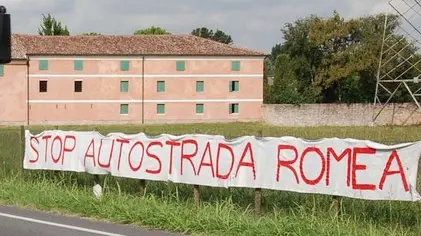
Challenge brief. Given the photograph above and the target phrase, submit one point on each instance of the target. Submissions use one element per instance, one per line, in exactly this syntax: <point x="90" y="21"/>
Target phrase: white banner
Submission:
<point x="343" y="167"/>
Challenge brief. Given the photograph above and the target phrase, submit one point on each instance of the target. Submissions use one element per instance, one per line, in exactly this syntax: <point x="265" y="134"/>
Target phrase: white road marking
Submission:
<point x="59" y="225"/>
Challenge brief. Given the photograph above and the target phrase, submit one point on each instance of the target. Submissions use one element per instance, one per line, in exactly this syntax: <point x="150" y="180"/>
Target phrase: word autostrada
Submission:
<point x="68" y="144"/>
<point x="274" y="163"/>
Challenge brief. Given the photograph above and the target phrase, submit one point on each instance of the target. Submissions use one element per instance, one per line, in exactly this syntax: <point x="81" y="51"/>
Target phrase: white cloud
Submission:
<point x="252" y="23"/>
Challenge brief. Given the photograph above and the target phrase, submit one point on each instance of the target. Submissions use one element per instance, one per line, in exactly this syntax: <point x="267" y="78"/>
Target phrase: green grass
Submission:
<point x="223" y="211"/>
<point x="170" y="212"/>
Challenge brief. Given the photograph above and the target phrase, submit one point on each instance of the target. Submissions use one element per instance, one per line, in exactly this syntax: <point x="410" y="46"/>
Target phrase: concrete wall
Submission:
<point x="100" y="99"/>
<point x="13" y="93"/>
<point x="341" y="115"/>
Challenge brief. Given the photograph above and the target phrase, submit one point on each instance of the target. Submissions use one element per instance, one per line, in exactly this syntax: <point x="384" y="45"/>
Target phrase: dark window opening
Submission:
<point x="233" y="108"/>
<point x="42" y="86"/>
<point x="234" y="86"/>
<point x="78" y="86"/>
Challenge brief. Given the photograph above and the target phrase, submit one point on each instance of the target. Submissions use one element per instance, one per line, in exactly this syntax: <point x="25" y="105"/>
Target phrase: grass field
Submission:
<point x="223" y="212"/>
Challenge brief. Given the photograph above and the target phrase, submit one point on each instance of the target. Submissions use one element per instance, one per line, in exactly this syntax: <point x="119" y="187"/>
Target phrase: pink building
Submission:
<point x="129" y="79"/>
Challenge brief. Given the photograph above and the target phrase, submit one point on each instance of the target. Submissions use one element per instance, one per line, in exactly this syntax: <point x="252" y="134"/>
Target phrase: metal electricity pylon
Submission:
<point x="400" y="64"/>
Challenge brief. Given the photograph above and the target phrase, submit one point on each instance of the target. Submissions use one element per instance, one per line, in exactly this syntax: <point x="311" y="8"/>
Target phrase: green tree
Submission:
<point x="153" y="30"/>
<point x="203" y="32"/>
<point x="50" y="26"/>
<point x="276" y="50"/>
<point x="285" y="83"/>
<point x="336" y="60"/>
<point x="218" y="35"/>
<point x="305" y="56"/>
<point x="92" y="34"/>
<point x="267" y="76"/>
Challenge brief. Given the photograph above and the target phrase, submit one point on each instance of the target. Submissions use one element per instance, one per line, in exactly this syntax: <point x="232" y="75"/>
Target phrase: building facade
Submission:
<point x="129" y="79"/>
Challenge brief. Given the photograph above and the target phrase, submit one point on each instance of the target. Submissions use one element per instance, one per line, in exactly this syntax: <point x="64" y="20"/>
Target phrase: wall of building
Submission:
<point x="101" y="99"/>
<point x="178" y="99"/>
<point x="341" y="114"/>
<point x="181" y="97"/>
<point x="13" y="93"/>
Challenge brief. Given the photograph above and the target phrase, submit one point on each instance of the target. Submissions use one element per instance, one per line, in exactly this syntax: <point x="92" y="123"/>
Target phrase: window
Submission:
<point x="181" y="65"/>
<point x="160" y="86"/>
<point x="42" y="86"/>
<point x="235" y="66"/>
<point x="124" y="65"/>
<point x="78" y="86"/>
<point x="124" y="109"/>
<point x="124" y="86"/>
<point x="234" y="86"/>
<point x="233" y="108"/>
<point x="1" y="70"/>
<point x="78" y="65"/>
<point x="43" y="65"/>
<point x="199" y="109"/>
<point x="199" y="86"/>
<point x="160" y="108"/>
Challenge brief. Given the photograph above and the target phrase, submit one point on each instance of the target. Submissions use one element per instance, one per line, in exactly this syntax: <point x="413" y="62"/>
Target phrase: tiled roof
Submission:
<point x="124" y="45"/>
<point x="18" y="51"/>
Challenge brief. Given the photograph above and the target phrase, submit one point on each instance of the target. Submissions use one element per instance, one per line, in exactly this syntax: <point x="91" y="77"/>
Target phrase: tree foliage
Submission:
<point x="285" y="80"/>
<point x="153" y="30"/>
<point x="50" y="26"/>
<point x="92" y="34"/>
<point x="331" y="59"/>
<point x="218" y="35"/>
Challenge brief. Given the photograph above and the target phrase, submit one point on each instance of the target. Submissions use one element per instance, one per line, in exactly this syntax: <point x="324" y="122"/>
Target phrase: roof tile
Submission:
<point x="124" y="45"/>
<point x="18" y="50"/>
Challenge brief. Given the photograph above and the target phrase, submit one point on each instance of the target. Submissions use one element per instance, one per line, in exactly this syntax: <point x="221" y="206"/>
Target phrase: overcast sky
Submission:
<point x="254" y="24"/>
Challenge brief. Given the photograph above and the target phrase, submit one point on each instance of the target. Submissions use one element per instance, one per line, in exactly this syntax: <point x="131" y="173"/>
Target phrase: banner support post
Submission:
<point x="258" y="191"/>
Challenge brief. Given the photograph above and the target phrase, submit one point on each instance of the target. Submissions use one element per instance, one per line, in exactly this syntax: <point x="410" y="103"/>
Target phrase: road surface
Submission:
<point x="22" y="222"/>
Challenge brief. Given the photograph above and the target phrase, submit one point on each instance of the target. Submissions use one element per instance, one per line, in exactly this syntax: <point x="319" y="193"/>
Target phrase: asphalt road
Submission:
<point x="22" y="222"/>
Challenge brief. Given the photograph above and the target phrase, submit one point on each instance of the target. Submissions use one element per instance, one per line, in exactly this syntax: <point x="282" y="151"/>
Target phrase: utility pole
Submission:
<point x="5" y="37"/>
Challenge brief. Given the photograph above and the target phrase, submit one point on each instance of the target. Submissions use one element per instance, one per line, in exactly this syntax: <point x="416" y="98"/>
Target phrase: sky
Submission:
<point x="253" y="24"/>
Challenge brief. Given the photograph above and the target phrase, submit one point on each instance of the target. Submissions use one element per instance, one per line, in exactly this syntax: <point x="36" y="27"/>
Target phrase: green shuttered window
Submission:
<point x="235" y="66"/>
<point x="124" y="109"/>
<point x="233" y="108"/>
<point x="160" y="108"/>
<point x="124" y="86"/>
<point x="181" y="65"/>
<point x="1" y="70"/>
<point x="160" y="86"/>
<point x="43" y="65"/>
<point x="234" y="86"/>
<point x="78" y="65"/>
<point x="200" y="86"/>
<point x="124" y="65"/>
<point x="199" y="109"/>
